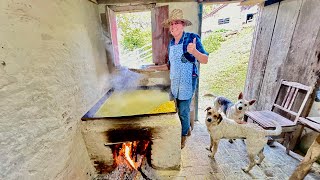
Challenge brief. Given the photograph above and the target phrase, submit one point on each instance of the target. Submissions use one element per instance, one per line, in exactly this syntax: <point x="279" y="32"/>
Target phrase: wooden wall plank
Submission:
<point x="281" y="39"/>
<point x="259" y="51"/>
<point x="294" y="53"/>
<point x="107" y="41"/>
<point x="160" y="35"/>
<point x="302" y="62"/>
<point x="113" y="32"/>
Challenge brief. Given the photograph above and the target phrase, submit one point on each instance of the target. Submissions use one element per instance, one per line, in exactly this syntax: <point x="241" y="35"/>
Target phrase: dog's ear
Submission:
<point x="208" y="108"/>
<point x="219" y="118"/>
<point x="252" y="101"/>
<point x="240" y="96"/>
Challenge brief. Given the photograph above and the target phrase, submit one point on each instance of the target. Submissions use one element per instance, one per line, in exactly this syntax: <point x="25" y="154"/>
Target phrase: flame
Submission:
<point x="127" y="152"/>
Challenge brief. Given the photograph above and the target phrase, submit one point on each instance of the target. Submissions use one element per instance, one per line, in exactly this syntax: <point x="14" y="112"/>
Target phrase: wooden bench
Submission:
<point x="311" y="123"/>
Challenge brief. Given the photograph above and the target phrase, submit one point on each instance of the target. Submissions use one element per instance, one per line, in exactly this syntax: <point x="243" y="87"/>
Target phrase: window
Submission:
<point x="223" y="21"/>
<point x="249" y="18"/>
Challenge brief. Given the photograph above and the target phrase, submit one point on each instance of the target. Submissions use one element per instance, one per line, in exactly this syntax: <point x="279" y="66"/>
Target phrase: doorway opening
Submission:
<point x="227" y="33"/>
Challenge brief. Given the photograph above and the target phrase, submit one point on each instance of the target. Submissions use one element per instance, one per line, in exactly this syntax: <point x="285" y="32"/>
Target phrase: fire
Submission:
<point x="127" y="151"/>
<point x="133" y="153"/>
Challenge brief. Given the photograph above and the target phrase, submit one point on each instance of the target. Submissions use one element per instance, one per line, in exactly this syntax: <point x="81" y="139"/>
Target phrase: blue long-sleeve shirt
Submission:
<point x="188" y="38"/>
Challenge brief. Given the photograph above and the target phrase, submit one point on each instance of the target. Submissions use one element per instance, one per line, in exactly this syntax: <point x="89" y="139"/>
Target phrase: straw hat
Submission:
<point x="176" y="15"/>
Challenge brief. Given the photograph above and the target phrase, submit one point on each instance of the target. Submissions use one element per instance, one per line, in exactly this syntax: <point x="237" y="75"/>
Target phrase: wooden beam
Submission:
<point x="132" y="8"/>
<point x="109" y="2"/>
<point x="286" y="110"/>
<point x="94" y="1"/>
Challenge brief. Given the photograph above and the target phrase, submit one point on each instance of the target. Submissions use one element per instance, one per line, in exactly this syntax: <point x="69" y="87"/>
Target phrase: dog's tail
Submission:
<point x="210" y="95"/>
<point x="275" y="132"/>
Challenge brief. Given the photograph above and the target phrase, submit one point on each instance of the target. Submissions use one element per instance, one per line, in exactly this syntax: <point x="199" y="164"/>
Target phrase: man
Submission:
<point x="185" y="51"/>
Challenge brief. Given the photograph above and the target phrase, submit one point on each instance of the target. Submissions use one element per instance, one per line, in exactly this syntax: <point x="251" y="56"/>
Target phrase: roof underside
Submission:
<point x="160" y="1"/>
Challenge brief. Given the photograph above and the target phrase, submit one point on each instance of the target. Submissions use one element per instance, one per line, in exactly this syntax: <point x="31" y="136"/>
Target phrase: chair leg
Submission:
<point x="271" y="142"/>
<point x="286" y="143"/>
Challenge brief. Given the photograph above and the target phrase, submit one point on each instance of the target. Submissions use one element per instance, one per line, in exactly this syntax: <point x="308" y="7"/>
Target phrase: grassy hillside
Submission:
<point x="225" y="73"/>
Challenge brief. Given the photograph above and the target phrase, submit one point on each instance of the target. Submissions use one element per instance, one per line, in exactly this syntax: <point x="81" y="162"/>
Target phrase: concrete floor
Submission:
<point x="229" y="159"/>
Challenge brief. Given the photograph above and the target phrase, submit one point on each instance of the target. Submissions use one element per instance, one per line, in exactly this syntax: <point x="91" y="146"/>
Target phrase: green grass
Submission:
<point x="213" y="41"/>
<point x="230" y="81"/>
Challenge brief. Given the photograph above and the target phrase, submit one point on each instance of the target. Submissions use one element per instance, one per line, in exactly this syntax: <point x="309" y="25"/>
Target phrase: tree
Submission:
<point x="135" y="29"/>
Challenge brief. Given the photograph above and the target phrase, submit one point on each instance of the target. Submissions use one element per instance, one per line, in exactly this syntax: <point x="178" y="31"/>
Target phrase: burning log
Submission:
<point x="129" y="157"/>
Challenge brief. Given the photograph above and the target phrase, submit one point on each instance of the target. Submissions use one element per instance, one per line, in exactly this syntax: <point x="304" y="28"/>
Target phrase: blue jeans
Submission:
<point x="184" y="110"/>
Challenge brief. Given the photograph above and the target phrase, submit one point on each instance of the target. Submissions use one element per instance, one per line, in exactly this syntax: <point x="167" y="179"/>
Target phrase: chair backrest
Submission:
<point x="293" y="88"/>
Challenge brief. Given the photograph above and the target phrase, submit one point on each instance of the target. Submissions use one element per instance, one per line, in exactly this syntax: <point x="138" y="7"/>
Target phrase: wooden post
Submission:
<point x="196" y="99"/>
<point x="305" y="165"/>
<point x="160" y="35"/>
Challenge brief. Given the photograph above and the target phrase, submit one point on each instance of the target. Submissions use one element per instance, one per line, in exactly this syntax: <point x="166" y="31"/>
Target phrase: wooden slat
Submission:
<point x="286" y="110"/>
<point x="277" y="96"/>
<point x="264" y="118"/>
<point x="289" y="98"/>
<point x="293" y="98"/>
<point x="296" y="85"/>
<point x="132" y="8"/>
<point x="304" y="103"/>
<point x="310" y="124"/>
<point x="285" y="97"/>
<point x="314" y="119"/>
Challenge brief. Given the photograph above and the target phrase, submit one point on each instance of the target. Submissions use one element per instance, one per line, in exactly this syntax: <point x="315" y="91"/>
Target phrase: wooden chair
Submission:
<point x="282" y="109"/>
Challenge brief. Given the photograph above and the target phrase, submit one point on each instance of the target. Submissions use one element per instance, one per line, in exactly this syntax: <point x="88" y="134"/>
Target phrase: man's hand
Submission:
<point x="192" y="47"/>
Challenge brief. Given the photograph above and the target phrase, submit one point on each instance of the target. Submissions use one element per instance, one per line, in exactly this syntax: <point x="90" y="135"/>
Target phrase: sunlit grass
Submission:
<point x="225" y="73"/>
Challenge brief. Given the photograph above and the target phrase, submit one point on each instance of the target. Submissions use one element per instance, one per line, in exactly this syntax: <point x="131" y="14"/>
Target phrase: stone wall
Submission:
<point x="52" y="70"/>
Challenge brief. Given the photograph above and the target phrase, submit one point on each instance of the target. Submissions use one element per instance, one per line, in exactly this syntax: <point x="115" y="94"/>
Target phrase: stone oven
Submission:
<point x="155" y="137"/>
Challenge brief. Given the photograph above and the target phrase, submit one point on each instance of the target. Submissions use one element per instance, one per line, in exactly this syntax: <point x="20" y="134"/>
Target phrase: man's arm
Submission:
<point x="196" y="49"/>
<point x="202" y="58"/>
<point x="163" y="67"/>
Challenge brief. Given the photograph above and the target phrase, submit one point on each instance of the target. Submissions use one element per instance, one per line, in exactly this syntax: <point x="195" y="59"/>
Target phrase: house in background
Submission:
<point x="228" y="16"/>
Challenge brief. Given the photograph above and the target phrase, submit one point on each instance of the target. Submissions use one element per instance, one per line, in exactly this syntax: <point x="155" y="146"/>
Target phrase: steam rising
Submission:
<point x="124" y="79"/>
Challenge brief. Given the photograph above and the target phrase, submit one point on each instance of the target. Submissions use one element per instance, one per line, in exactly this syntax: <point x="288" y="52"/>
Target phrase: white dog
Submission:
<point x="232" y="111"/>
<point x="220" y="127"/>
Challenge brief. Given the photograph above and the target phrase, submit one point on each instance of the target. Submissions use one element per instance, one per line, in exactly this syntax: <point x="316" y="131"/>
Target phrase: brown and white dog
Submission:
<point x="220" y="127"/>
<point x="232" y="111"/>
